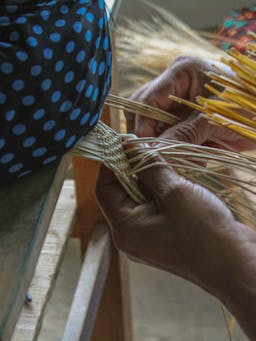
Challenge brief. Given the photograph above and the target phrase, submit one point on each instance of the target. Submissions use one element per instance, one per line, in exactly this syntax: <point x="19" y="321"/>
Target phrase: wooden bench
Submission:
<point x="33" y="235"/>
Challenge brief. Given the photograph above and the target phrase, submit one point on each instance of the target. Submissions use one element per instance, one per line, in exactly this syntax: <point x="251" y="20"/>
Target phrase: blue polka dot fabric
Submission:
<point x="55" y="73"/>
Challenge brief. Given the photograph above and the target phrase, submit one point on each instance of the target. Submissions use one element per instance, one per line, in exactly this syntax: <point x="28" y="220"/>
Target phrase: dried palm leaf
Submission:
<point x="235" y="107"/>
<point x="153" y="45"/>
<point x="127" y="155"/>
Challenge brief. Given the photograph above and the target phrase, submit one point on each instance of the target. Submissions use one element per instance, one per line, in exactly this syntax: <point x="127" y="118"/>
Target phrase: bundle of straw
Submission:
<point x="235" y="106"/>
<point x="153" y="44"/>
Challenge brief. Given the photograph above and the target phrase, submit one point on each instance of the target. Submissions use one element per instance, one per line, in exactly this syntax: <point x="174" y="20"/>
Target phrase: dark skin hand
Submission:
<point x="183" y="78"/>
<point x="200" y="242"/>
<point x="183" y="228"/>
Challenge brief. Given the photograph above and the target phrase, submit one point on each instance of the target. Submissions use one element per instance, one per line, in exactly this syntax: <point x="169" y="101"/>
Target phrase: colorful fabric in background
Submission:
<point x="55" y="72"/>
<point x="235" y="29"/>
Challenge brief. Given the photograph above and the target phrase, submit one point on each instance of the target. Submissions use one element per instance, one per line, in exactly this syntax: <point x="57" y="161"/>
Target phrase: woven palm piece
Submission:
<point x="104" y="145"/>
<point x="127" y="155"/>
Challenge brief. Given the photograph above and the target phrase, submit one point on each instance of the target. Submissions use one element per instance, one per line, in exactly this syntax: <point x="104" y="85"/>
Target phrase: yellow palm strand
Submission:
<point x="232" y="125"/>
<point x="241" y="72"/>
<point x="244" y="60"/>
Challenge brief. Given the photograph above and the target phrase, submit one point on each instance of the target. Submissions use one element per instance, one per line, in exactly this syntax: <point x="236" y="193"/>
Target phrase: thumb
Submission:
<point x="145" y="127"/>
<point x="158" y="181"/>
<point x="112" y="197"/>
<point x="195" y="130"/>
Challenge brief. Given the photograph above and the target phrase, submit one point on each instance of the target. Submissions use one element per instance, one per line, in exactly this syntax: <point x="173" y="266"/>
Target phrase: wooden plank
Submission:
<point x="117" y="118"/>
<point x="30" y="319"/>
<point x="90" y="287"/>
<point x="113" y="320"/>
<point x="26" y="208"/>
<point x="88" y="213"/>
<point x="113" y="9"/>
<point x="86" y="172"/>
<point x="126" y="296"/>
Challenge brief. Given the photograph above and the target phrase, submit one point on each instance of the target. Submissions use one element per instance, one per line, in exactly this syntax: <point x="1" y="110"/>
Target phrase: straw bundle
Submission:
<point x="153" y="45"/>
<point x="165" y="38"/>
<point x="235" y="106"/>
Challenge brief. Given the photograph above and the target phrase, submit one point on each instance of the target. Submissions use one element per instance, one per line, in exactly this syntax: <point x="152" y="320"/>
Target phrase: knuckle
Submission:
<point x="187" y="133"/>
<point x="197" y="131"/>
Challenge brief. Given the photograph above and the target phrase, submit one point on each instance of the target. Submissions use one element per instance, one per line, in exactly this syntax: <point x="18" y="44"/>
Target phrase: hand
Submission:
<point x="184" y="78"/>
<point x="186" y="230"/>
<point x="183" y="228"/>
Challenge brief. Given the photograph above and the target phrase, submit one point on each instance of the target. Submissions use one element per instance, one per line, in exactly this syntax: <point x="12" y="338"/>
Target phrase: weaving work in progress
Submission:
<point x="126" y="156"/>
<point x="229" y="174"/>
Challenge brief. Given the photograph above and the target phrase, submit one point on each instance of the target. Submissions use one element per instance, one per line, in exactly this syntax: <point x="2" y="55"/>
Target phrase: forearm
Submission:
<point x="243" y="307"/>
<point x="239" y="291"/>
<point x="242" y="302"/>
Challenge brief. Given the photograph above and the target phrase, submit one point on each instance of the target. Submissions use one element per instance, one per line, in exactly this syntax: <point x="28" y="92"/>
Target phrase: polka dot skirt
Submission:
<point x="55" y="72"/>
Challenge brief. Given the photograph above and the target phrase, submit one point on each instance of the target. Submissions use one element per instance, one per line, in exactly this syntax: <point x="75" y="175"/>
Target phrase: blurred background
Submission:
<point x="199" y="14"/>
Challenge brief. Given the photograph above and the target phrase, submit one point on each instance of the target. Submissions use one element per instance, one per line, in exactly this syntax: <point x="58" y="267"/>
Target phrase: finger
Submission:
<point x="145" y="127"/>
<point x="130" y="117"/>
<point x="111" y="196"/>
<point x="195" y="130"/>
<point x="242" y="144"/>
<point x="157" y="183"/>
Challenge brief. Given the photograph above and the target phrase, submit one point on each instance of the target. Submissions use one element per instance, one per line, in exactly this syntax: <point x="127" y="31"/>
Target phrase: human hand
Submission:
<point x="183" y="228"/>
<point x="184" y="78"/>
<point x="186" y="230"/>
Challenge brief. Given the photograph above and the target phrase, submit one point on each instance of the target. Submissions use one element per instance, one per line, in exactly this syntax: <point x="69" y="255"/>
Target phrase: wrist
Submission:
<point x="238" y="293"/>
<point x="234" y="259"/>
